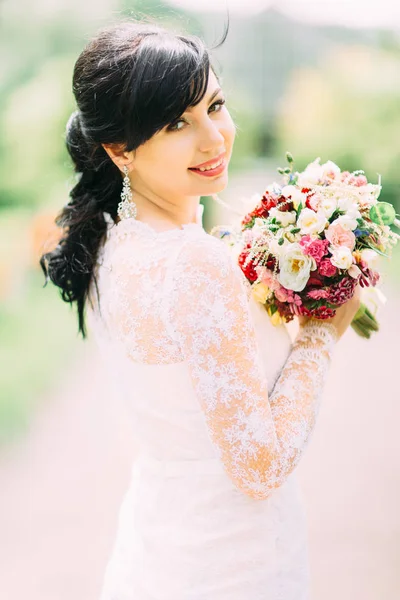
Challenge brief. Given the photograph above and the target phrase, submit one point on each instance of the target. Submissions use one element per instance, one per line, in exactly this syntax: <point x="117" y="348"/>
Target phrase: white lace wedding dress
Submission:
<point x="213" y="510"/>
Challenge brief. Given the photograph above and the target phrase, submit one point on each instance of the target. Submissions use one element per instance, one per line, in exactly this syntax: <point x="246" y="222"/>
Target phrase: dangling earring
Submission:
<point x="126" y="208"/>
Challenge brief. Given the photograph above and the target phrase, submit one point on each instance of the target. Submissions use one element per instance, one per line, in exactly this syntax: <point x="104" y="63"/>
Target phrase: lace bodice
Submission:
<point x="178" y="297"/>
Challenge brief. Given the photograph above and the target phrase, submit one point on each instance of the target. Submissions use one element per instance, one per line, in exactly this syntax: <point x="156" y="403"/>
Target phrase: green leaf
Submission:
<point x="299" y="209"/>
<point x="289" y="157"/>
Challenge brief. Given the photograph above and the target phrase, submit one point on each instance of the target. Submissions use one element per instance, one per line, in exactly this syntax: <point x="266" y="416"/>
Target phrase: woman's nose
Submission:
<point x="212" y="137"/>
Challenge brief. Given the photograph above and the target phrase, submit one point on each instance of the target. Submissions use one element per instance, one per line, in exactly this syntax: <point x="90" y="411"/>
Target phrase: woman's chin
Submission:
<point x="220" y="185"/>
<point x="214" y="186"/>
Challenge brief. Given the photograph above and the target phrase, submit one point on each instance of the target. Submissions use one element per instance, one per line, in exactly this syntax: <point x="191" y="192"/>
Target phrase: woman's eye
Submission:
<point x="219" y="103"/>
<point x="173" y="126"/>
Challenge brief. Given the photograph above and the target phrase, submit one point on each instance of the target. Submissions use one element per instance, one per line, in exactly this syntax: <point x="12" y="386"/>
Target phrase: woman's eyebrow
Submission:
<point x="214" y="94"/>
<point x="209" y="100"/>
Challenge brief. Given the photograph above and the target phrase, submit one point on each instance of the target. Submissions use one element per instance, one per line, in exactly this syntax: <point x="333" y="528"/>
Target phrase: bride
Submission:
<point x="222" y="403"/>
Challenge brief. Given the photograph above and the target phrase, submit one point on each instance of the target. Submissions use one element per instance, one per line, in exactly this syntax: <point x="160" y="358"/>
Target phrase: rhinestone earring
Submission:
<point x="126" y="208"/>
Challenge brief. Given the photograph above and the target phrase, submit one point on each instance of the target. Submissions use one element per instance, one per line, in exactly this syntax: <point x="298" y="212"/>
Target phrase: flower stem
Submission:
<point x="364" y="322"/>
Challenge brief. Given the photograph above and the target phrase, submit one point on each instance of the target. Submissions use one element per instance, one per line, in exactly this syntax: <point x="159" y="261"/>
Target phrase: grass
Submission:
<point x="38" y="335"/>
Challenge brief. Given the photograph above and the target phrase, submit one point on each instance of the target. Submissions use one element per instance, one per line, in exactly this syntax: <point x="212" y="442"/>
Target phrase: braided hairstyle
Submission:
<point x="130" y="81"/>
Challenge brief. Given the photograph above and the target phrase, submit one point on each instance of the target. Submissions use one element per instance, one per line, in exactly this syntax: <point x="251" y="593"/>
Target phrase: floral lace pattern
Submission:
<point x="134" y="261"/>
<point x="259" y="439"/>
<point x="178" y="296"/>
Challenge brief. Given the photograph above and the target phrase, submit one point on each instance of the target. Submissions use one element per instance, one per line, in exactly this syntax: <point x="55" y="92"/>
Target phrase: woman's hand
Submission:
<point x="344" y="314"/>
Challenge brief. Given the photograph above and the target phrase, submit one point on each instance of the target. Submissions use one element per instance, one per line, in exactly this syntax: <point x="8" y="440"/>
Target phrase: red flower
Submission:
<point x="326" y="268"/>
<point x="300" y="310"/>
<point x="249" y="269"/>
<point x="284" y="204"/>
<point x="309" y="193"/>
<point x="323" y="312"/>
<point x="315" y="280"/>
<point x="368" y="277"/>
<point x="285" y="310"/>
<point x="341" y="292"/>
<point x="271" y="262"/>
<point x="267" y="202"/>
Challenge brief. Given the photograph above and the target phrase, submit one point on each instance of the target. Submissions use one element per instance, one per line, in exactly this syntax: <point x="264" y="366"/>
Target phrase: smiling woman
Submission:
<point x="165" y="123"/>
<point x="222" y="407"/>
<point x="192" y="153"/>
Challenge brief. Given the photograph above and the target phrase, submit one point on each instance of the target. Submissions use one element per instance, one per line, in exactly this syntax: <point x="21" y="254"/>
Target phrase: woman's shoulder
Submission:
<point x="206" y="250"/>
<point x="209" y="259"/>
<point x="190" y="248"/>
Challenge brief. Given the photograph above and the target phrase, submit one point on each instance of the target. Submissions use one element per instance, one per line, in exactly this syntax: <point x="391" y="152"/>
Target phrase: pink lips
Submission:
<point x="209" y="162"/>
<point x="211" y="172"/>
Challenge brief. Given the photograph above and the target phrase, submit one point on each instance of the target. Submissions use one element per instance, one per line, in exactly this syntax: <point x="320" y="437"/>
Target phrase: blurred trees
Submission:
<point x="346" y="110"/>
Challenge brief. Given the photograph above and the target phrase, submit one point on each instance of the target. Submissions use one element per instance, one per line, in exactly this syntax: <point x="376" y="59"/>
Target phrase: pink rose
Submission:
<point x="360" y="180"/>
<point x="350" y="179"/>
<point x="305" y="240"/>
<point x="317" y="249"/>
<point x="284" y="295"/>
<point x="326" y="268"/>
<point x="267" y="277"/>
<point x="318" y="294"/>
<point x="281" y="294"/>
<point x="338" y="236"/>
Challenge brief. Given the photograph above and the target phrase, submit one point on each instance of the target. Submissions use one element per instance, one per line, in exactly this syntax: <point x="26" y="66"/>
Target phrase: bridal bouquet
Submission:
<point x="307" y="243"/>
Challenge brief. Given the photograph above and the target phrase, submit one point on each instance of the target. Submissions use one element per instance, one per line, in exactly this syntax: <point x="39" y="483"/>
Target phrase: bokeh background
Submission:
<point x="317" y="78"/>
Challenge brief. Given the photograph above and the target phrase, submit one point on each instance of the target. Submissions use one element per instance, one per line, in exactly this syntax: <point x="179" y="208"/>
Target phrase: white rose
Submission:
<point x="370" y="257"/>
<point x="295" y="195"/>
<point x="311" y="222"/>
<point x="277" y="249"/>
<point x="312" y="174"/>
<point x="347" y="222"/>
<point x="285" y="218"/>
<point x="369" y="194"/>
<point x="259" y="226"/>
<point x="287" y="190"/>
<point x="342" y="257"/>
<point x="345" y="203"/>
<point x="367" y="199"/>
<point x="328" y="206"/>
<point x="350" y="207"/>
<point x="330" y="167"/>
<point x="294" y="268"/>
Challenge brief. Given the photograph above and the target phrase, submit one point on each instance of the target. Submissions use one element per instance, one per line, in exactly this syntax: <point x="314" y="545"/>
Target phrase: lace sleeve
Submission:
<point x="259" y="439"/>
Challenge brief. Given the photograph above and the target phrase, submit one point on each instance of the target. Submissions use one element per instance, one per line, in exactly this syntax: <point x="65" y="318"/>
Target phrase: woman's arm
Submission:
<point x="259" y="439"/>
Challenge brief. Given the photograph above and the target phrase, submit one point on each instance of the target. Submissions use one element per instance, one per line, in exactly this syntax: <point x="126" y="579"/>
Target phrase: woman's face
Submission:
<point x="161" y="167"/>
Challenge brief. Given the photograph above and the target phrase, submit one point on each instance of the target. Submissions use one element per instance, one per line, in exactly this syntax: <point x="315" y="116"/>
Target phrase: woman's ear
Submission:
<point x="118" y="154"/>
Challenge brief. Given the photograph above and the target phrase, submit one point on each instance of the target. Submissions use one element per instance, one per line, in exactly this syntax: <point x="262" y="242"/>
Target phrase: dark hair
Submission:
<point x="131" y="80"/>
